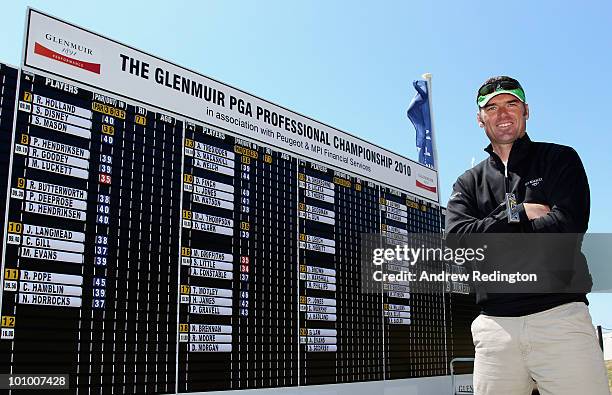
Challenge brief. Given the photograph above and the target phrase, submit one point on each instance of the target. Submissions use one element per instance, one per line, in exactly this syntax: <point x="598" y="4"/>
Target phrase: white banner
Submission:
<point x="64" y="49"/>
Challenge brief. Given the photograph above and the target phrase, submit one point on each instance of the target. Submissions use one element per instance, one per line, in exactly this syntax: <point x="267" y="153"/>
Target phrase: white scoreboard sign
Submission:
<point x="64" y="49"/>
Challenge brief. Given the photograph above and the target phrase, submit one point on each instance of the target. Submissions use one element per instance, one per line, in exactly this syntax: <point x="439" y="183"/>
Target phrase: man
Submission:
<point x="527" y="187"/>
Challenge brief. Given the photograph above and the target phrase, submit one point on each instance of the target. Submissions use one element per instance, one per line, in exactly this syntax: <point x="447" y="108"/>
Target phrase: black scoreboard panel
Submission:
<point x="415" y="321"/>
<point x="8" y="85"/>
<point x="238" y="317"/>
<point x="92" y="246"/>
<point x="340" y="326"/>
<point x="149" y="254"/>
<point x="360" y="341"/>
<point x="462" y="311"/>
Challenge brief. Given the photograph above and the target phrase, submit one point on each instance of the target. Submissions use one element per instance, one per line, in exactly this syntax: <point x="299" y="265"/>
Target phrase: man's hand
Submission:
<point x="535" y="210"/>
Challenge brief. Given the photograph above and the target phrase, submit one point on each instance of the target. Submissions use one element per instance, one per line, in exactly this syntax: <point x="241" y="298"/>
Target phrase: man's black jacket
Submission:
<point x="536" y="172"/>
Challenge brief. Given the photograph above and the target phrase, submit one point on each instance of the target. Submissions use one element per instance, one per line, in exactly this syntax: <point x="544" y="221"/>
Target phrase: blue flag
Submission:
<point x="418" y="112"/>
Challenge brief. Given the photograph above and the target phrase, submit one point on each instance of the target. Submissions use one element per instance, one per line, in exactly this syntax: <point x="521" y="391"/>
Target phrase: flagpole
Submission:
<point x="434" y="147"/>
<point x="433" y="134"/>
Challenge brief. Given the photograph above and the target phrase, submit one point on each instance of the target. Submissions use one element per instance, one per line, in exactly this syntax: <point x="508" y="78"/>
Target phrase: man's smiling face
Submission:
<point x="504" y="118"/>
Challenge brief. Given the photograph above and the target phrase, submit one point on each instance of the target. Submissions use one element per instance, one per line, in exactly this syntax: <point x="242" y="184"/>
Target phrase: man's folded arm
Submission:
<point x="569" y="198"/>
<point x="461" y="216"/>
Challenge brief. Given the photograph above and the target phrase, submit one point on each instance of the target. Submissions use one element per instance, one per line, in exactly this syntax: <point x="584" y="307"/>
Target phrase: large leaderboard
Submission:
<point x="168" y="233"/>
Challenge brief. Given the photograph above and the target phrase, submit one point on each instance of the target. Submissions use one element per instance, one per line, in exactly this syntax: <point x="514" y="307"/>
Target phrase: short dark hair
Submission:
<point x="497" y="78"/>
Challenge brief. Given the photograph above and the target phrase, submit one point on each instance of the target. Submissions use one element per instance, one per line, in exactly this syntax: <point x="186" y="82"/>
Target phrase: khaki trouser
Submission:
<point x="556" y="348"/>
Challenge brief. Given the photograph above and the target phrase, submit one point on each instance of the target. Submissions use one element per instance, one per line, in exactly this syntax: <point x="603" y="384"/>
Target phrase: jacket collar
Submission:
<point x="520" y="149"/>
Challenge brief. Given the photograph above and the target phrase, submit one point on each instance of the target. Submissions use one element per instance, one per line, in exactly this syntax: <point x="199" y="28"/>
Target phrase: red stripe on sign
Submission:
<point x="46" y="52"/>
<point x="427" y="187"/>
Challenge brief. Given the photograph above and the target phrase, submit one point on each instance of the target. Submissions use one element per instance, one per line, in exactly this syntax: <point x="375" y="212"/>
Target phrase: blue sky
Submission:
<point x="351" y="64"/>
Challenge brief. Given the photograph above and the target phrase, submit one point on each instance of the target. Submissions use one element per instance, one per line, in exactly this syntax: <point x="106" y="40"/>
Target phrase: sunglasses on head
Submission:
<point x="499" y="85"/>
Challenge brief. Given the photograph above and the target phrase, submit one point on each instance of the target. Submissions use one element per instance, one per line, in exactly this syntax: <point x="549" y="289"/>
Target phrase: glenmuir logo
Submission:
<point x="425" y="182"/>
<point x="534" y="182"/>
<point x="65" y="51"/>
